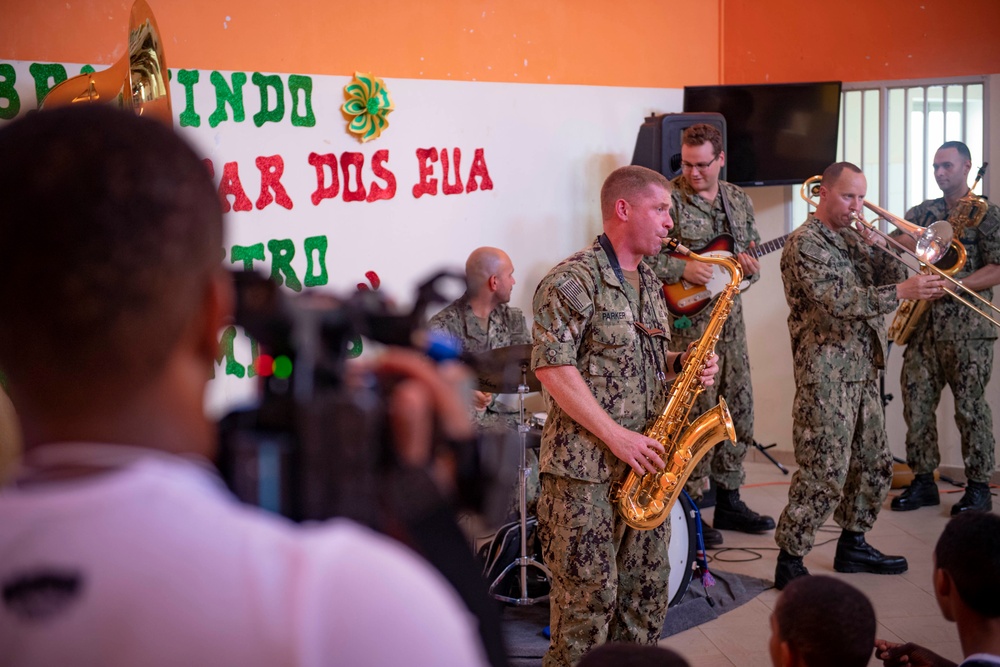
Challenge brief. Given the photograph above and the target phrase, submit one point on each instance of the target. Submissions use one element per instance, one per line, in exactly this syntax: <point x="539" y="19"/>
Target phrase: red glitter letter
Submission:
<point x="376" y="191"/>
<point x="271" y="168"/>
<point x="230" y="185"/>
<point x="478" y="169"/>
<point x="426" y="185"/>
<point x="358" y="160"/>
<point x="324" y="191"/>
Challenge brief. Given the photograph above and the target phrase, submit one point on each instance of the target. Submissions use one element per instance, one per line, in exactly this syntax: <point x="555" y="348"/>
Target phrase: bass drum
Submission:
<point x="683" y="547"/>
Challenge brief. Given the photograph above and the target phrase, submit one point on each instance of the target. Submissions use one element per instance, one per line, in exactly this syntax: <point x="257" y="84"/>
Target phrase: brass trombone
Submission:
<point x="933" y="242"/>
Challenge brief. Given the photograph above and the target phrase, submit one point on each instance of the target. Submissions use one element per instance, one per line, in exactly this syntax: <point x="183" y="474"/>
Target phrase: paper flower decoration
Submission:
<point x="368" y="103"/>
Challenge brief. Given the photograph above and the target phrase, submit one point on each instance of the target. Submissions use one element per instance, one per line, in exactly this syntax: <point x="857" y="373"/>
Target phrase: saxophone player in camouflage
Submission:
<point x="601" y="353"/>
<point x="704" y="208"/>
<point x="952" y="345"/>
<point x="839" y="289"/>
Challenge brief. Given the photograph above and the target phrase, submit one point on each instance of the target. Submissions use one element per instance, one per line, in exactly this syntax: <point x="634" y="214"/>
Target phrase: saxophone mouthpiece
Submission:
<point x="979" y="176"/>
<point x="674" y="245"/>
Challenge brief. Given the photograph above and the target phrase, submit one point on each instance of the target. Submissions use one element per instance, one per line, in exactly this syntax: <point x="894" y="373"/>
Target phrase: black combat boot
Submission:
<point x="789" y="567"/>
<point x="975" y="499"/>
<point x="856" y="555"/>
<point x="712" y="537"/>
<point x="922" y="492"/>
<point x="731" y="513"/>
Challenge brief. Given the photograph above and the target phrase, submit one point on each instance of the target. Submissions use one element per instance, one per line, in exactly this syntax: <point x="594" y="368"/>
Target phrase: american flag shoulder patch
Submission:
<point x="574" y="293"/>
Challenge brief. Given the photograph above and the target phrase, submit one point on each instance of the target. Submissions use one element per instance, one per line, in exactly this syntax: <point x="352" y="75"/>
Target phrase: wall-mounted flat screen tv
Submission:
<point x="779" y="134"/>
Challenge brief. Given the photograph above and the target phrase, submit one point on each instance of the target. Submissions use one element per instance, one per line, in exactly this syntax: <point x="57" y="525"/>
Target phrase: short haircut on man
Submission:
<point x="481" y="265"/>
<point x="627" y="182"/>
<point x="833" y="173"/>
<point x="969" y="551"/>
<point x="627" y="654"/>
<point x="112" y="226"/>
<point x="959" y="146"/>
<point x="699" y="133"/>
<point x="804" y="612"/>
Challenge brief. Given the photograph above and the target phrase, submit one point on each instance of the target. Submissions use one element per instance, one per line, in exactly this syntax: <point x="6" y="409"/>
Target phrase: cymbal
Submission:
<point x="502" y="370"/>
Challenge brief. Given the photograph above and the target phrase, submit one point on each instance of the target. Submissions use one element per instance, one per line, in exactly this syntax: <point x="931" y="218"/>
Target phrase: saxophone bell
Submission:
<point x="644" y="501"/>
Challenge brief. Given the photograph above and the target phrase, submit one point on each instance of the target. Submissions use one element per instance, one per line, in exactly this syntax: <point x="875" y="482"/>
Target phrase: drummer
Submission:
<point x="482" y="321"/>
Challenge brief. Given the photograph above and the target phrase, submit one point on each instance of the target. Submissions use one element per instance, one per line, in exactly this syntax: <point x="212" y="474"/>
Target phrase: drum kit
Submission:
<point x="507" y="370"/>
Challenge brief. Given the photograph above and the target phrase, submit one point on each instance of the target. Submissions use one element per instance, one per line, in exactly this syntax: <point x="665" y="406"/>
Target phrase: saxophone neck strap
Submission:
<point x="609" y="250"/>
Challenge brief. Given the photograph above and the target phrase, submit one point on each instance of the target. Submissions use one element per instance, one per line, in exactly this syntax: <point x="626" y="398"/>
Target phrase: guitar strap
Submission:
<point x="735" y="229"/>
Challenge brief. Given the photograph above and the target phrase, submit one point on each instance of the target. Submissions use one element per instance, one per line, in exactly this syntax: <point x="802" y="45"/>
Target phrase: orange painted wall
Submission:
<point x="858" y="40"/>
<point x="592" y="42"/>
<point x="654" y="43"/>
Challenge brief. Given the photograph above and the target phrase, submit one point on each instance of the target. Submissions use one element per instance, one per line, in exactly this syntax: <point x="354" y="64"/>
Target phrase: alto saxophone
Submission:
<point x="969" y="212"/>
<point x="644" y="501"/>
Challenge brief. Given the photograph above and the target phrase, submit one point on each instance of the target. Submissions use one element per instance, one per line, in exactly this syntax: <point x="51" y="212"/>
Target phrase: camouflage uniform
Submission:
<point x="696" y="222"/>
<point x="609" y="581"/>
<point x="506" y="326"/>
<point x="952" y="345"/>
<point x="838" y="290"/>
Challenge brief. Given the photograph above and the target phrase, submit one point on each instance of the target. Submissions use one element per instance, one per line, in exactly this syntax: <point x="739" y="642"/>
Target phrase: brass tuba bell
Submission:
<point x="137" y="81"/>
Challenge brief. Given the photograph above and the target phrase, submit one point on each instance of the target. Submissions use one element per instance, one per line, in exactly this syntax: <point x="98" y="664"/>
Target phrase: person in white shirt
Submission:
<point x="119" y="545"/>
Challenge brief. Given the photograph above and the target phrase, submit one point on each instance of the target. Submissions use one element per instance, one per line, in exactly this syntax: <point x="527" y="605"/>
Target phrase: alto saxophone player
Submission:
<point x="953" y="345"/>
<point x="601" y="352"/>
<point x="839" y="289"/>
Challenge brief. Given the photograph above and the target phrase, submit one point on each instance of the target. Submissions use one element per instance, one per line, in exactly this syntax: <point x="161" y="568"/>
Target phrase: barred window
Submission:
<point x="892" y="130"/>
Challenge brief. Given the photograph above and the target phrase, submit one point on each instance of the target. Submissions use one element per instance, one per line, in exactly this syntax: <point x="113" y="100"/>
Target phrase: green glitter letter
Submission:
<point x="233" y="367"/>
<point x="226" y="95"/>
<point x="266" y="115"/>
<point x="297" y="82"/>
<point x="247" y="254"/>
<point x="7" y="92"/>
<point x="319" y="245"/>
<point x="43" y="74"/>
<point x="187" y="78"/>
<point x="282" y="252"/>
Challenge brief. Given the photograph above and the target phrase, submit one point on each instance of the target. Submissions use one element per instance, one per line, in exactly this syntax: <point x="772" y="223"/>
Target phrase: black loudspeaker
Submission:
<point x="658" y="145"/>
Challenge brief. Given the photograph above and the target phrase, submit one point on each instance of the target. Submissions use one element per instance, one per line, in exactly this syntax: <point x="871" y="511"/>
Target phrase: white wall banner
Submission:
<point x="460" y="165"/>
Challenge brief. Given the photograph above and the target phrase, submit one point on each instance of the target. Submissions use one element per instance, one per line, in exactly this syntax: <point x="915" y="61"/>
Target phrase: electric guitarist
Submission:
<point x="703" y="208"/>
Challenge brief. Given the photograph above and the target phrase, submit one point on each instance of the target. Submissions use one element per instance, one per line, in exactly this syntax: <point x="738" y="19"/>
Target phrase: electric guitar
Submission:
<point x="685" y="298"/>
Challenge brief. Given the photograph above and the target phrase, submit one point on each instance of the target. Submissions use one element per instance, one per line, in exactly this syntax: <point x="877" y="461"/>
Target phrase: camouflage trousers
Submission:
<point x="845" y="467"/>
<point x="725" y="461"/>
<point x="965" y="366"/>
<point x="609" y="581"/>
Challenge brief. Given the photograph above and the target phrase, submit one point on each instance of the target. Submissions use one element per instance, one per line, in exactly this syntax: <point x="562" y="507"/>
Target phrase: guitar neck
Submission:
<point x="768" y="247"/>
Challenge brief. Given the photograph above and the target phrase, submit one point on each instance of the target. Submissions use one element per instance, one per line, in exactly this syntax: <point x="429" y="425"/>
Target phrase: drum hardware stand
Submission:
<point x="701" y="559"/>
<point x="525" y="561"/>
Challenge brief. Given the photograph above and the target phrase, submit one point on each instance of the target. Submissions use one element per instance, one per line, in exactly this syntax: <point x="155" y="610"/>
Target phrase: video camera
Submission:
<point x="317" y="445"/>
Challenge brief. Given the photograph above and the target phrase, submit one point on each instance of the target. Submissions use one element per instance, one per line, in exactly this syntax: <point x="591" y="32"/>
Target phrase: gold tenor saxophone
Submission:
<point x="645" y="501"/>
<point x="969" y="212"/>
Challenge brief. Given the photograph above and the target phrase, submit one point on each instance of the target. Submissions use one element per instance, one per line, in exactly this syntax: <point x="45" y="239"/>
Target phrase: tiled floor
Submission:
<point x="904" y="604"/>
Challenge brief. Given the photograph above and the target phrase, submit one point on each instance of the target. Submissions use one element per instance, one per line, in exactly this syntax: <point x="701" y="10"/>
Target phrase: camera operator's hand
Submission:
<point x="425" y="396"/>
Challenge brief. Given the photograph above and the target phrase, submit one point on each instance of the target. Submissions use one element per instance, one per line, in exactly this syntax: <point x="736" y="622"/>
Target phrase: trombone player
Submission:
<point x="839" y="288"/>
<point x="953" y="345"/>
